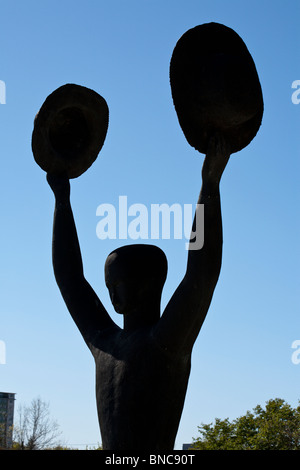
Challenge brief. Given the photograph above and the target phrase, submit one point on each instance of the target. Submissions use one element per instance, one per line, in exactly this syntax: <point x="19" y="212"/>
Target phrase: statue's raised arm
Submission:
<point x="83" y="304"/>
<point x="219" y="105"/>
<point x="69" y="132"/>
<point x="184" y="315"/>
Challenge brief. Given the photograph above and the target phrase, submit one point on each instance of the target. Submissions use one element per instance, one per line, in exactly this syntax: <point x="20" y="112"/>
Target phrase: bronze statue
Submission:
<point x="142" y="369"/>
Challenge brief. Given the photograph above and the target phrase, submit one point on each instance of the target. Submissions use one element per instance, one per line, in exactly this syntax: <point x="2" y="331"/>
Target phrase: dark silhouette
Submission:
<point x="69" y="130"/>
<point x="215" y="86"/>
<point x="142" y="369"/>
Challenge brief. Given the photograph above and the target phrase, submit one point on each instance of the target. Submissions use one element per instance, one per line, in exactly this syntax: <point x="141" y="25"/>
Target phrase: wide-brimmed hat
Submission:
<point x="215" y="87"/>
<point x="69" y="130"/>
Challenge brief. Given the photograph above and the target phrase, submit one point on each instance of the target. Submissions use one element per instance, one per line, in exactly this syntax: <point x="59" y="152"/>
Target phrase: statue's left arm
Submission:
<point x="185" y="313"/>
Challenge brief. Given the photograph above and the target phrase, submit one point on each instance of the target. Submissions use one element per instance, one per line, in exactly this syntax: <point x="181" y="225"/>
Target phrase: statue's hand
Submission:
<point x="216" y="159"/>
<point x="60" y="185"/>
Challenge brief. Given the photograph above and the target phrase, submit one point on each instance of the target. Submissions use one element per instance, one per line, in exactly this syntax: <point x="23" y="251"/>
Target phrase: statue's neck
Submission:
<point x="142" y="317"/>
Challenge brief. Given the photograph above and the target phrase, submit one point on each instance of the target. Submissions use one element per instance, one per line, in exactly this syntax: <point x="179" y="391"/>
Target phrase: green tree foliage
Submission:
<point x="277" y="427"/>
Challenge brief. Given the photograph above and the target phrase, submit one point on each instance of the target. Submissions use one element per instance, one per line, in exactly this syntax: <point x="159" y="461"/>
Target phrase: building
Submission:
<point x="7" y="404"/>
<point x="186" y="446"/>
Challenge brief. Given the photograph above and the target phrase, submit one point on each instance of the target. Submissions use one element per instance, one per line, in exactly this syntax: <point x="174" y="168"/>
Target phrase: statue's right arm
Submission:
<point x="82" y="302"/>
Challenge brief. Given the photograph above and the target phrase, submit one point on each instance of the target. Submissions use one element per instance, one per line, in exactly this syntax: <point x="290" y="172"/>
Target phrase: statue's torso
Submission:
<point x="140" y="391"/>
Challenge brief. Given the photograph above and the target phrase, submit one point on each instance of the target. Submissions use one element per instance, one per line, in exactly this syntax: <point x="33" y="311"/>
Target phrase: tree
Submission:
<point x="277" y="427"/>
<point x="34" y="429"/>
<point x="5" y="431"/>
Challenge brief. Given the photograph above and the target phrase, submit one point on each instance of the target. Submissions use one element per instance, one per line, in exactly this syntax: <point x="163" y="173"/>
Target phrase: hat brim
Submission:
<point x="69" y="130"/>
<point x="215" y="87"/>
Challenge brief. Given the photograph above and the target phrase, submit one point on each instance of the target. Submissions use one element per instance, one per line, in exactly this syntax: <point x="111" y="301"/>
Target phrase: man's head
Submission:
<point x="135" y="275"/>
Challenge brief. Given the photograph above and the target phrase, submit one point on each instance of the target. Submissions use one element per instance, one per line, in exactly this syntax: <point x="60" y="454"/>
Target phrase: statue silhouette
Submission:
<point x="142" y="369"/>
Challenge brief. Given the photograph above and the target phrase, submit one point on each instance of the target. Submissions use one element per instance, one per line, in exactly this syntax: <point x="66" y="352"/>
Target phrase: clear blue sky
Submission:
<point x="122" y="50"/>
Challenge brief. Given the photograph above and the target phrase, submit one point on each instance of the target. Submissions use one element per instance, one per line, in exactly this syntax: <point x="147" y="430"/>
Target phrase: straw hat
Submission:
<point x="69" y="130"/>
<point x="215" y="87"/>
